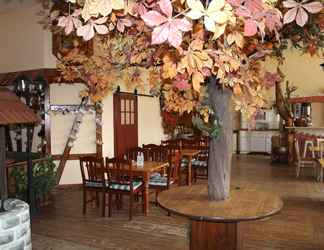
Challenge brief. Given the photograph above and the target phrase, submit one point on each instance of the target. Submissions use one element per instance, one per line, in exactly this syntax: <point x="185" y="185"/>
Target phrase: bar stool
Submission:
<point x="309" y="143"/>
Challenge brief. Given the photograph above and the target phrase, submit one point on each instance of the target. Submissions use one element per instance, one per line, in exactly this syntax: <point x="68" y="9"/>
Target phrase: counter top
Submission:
<point x="310" y="128"/>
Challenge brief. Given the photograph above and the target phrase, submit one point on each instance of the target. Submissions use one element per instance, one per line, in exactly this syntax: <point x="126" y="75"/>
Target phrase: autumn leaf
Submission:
<point x="197" y="79"/>
<point x="215" y="16"/>
<point x="236" y="38"/>
<point x="88" y="31"/>
<point x="298" y="11"/>
<point x="169" y="68"/>
<point x="94" y="8"/>
<point x="195" y="58"/>
<point x="70" y="22"/>
<point x="166" y="28"/>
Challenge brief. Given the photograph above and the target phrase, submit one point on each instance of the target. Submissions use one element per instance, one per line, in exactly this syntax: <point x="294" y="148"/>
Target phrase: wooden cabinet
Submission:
<point x="256" y="141"/>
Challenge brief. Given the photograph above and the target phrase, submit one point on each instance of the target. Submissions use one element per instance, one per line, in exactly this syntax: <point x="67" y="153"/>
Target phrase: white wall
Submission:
<point x="149" y="127"/>
<point x="24" y="45"/>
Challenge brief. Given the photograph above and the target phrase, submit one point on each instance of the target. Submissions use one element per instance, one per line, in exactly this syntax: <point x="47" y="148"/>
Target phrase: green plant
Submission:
<point x="44" y="177"/>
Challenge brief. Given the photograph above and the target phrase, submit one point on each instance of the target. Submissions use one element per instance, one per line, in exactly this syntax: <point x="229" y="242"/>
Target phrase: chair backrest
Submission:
<point x="92" y="169"/>
<point x="320" y="145"/>
<point x="171" y="142"/>
<point x="132" y="153"/>
<point x="174" y="160"/>
<point x="119" y="171"/>
<point x="150" y="146"/>
<point x="158" y="154"/>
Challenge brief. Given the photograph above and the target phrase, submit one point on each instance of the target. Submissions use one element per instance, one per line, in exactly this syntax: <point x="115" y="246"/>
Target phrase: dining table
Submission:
<point x="145" y="172"/>
<point x="189" y="154"/>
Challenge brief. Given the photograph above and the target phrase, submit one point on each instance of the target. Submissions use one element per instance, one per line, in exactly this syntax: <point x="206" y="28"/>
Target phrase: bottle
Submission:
<point x="142" y="159"/>
<point x="138" y="159"/>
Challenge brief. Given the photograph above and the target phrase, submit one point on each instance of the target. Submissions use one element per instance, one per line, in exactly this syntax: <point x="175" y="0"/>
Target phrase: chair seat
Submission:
<point x="126" y="186"/>
<point x="158" y="180"/>
<point x="93" y="184"/>
<point x="197" y="163"/>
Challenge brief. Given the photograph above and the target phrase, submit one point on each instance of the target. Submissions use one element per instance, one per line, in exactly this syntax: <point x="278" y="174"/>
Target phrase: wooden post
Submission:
<point x="3" y="172"/>
<point x="30" y="191"/>
<point x="220" y="149"/>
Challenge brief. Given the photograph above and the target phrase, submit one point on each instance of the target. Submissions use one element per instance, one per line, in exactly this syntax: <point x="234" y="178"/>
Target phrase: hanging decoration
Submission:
<point x="182" y="42"/>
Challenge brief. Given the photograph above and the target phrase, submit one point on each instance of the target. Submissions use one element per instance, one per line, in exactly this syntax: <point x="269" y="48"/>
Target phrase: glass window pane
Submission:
<point x="127" y="105"/>
<point x="122" y="105"/>
<point x="122" y="116"/>
<point x="127" y="118"/>
<point x="132" y="105"/>
<point x="132" y="118"/>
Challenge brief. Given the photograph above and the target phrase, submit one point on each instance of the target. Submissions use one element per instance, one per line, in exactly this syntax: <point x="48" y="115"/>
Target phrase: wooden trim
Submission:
<point x="47" y="120"/>
<point x="73" y="156"/>
<point x="50" y="75"/>
<point x="306" y="99"/>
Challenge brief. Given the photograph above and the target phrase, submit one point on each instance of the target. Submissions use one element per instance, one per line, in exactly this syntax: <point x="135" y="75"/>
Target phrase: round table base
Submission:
<point x="214" y="236"/>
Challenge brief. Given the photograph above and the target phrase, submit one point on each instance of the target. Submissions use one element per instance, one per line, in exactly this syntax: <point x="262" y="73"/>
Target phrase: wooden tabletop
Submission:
<point x="189" y="152"/>
<point x="150" y="166"/>
<point x="243" y="205"/>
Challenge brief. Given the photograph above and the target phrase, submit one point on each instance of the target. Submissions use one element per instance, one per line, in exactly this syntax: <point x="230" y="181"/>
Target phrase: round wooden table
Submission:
<point x="214" y="224"/>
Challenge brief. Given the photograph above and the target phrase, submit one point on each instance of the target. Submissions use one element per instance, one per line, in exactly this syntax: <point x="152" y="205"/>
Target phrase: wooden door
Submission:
<point x="125" y="122"/>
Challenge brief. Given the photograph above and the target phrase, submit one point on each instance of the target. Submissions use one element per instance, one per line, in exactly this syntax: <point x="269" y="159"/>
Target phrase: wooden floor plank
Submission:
<point x="300" y="225"/>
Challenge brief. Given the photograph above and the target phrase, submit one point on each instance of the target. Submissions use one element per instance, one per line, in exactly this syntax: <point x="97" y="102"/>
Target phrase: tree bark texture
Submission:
<point x="3" y="172"/>
<point x="220" y="149"/>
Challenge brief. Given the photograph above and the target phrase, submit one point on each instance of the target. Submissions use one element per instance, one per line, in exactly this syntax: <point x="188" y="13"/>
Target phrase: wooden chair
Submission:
<point x="303" y="162"/>
<point x="320" y="145"/>
<point x="131" y="154"/>
<point x="92" y="180"/>
<point x="121" y="182"/>
<point x="200" y="164"/>
<point x="160" y="181"/>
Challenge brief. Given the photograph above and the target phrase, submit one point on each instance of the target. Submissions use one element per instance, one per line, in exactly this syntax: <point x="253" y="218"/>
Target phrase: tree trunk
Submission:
<point x="220" y="149"/>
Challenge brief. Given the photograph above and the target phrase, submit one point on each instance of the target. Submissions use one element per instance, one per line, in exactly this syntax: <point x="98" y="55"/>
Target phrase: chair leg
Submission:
<point x="97" y="199"/>
<point x="298" y="170"/>
<point x="131" y="206"/>
<point x="103" y="204"/>
<point x="143" y="204"/>
<point x="84" y="201"/>
<point x="109" y="204"/>
<point x="156" y="195"/>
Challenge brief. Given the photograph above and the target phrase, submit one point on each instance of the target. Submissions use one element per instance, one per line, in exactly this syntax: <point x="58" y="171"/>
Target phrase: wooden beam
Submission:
<point x="306" y="99"/>
<point x="47" y="120"/>
<point x="73" y="156"/>
<point x="50" y="75"/>
<point x="3" y="173"/>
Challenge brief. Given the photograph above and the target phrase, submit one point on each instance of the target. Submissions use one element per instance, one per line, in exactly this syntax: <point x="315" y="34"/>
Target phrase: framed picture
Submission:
<point x="62" y="44"/>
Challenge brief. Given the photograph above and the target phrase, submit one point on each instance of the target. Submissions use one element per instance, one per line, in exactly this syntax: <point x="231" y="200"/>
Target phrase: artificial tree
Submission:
<point x="200" y="56"/>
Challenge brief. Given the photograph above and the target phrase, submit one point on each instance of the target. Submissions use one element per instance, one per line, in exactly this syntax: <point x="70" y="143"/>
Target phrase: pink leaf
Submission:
<point x="182" y="24"/>
<point x="86" y="31"/>
<point x="302" y="17"/>
<point x="181" y="82"/>
<point x="101" y="20"/>
<point x="153" y="18"/>
<point x="101" y="29"/>
<point x="160" y="34"/>
<point x="175" y="36"/>
<point x="166" y="7"/>
<point x="250" y="28"/>
<point x="313" y="7"/>
<point x="290" y="15"/>
<point x="122" y="23"/>
<point x="243" y="12"/>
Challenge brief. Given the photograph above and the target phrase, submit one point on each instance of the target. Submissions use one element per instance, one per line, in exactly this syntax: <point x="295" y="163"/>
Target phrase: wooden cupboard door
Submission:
<point x="125" y="122"/>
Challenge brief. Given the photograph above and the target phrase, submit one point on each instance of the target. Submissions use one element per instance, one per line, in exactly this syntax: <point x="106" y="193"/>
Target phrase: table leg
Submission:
<point x="214" y="236"/>
<point x="146" y="193"/>
<point x="189" y="171"/>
